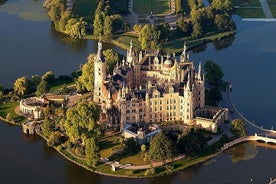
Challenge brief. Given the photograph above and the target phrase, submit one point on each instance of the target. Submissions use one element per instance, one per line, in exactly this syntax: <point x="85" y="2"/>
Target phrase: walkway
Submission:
<point x="138" y="167"/>
<point x="248" y="138"/>
<point x="267" y="12"/>
<point x="266" y="9"/>
<point x="263" y="130"/>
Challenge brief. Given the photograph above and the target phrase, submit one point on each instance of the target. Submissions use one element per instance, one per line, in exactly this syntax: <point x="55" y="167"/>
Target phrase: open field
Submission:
<point x="154" y="6"/>
<point x="9" y="108"/>
<point x="249" y="8"/>
<point x="272" y="6"/>
<point x="250" y="12"/>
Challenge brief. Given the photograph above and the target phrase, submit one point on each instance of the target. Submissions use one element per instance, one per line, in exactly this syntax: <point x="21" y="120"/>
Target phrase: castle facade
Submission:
<point x="148" y="88"/>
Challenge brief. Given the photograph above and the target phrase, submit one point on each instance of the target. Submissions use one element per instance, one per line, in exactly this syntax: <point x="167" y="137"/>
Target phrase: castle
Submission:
<point x="148" y="88"/>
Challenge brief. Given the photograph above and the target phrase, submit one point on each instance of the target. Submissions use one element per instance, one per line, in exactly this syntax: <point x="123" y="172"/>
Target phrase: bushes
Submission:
<point x="55" y="139"/>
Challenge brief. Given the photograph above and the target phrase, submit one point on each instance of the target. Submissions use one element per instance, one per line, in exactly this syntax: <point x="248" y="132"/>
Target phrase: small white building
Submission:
<point x="141" y="134"/>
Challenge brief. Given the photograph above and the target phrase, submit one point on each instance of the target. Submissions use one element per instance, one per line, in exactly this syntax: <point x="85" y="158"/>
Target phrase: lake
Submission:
<point x="29" y="45"/>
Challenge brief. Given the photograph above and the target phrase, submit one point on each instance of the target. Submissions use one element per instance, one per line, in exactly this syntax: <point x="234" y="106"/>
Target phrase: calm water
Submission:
<point x="29" y="46"/>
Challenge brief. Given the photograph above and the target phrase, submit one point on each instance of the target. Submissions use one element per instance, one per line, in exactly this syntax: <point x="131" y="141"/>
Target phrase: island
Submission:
<point x="140" y="116"/>
<point x="145" y="114"/>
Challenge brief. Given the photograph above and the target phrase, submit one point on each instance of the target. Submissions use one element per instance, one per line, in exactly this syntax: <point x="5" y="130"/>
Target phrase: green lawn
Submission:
<point x="146" y="6"/>
<point x="249" y="8"/>
<point x="9" y="108"/>
<point x="246" y="3"/>
<point x="250" y="12"/>
<point x="272" y="6"/>
<point x="85" y="8"/>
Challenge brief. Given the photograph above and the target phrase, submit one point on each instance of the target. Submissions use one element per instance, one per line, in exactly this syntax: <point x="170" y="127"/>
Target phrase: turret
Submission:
<point x="99" y="74"/>
<point x="129" y="53"/>
<point x="183" y="55"/>
<point x="199" y="72"/>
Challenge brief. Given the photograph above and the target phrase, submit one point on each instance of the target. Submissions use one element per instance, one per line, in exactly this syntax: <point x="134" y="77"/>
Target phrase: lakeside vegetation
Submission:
<point x="194" y="23"/>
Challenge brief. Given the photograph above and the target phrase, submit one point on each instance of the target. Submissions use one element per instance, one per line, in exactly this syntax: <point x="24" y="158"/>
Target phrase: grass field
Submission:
<point x="9" y="108"/>
<point x="154" y="6"/>
<point x="246" y="3"/>
<point x="249" y="8"/>
<point x="272" y="6"/>
<point x="85" y="8"/>
<point x="250" y="12"/>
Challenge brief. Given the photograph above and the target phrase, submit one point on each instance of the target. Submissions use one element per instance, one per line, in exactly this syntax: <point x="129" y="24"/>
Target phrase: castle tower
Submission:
<point x="183" y="56"/>
<point x="130" y="53"/>
<point x="99" y="74"/>
<point x="200" y="88"/>
<point x="189" y="102"/>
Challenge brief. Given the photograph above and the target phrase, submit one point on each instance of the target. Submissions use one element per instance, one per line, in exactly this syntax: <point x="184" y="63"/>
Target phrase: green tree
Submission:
<point x="9" y="117"/>
<point x="1" y="90"/>
<point x="160" y="148"/>
<point x="111" y="58"/>
<point x="47" y="127"/>
<point x="92" y="152"/>
<point x="191" y="142"/>
<point x="99" y="23"/>
<point x="21" y="86"/>
<point x="42" y="88"/>
<point x="239" y="128"/>
<point x="85" y="82"/>
<point x="54" y="139"/>
<point x="49" y="77"/>
<point x="197" y="30"/>
<point x="213" y="72"/>
<point x="130" y="146"/>
<point x="145" y="37"/>
<point x="80" y="122"/>
<point x="107" y="29"/>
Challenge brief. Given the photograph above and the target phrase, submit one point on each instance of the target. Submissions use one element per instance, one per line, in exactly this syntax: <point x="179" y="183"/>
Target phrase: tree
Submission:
<point x="111" y="58"/>
<point x="21" y="86"/>
<point x="191" y="142"/>
<point x="197" y="30"/>
<point x="107" y="29"/>
<point x="143" y="148"/>
<point x="42" y="88"/>
<point x="55" y="139"/>
<point x="160" y="148"/>
<point x="238" y="128"/>
<point x="80" y="122"/>
<point x="145" y="36"/>
<point x="49" y="77"/>
<point x="9" y="117"/>
<point x="213" y="72"/>
<point x="92" y="152"/>
<point x="131" y="147"/>
<point x="47" y="127"/>
<point x="98" y="23"/>
<point x="86" y="81"/>
<point x="1" y="90"/>
<point x="213" y="96"/>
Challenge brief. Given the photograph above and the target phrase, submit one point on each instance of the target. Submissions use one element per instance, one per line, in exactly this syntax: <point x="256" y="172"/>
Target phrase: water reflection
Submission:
<point x="77" y="44"/>
<point x="223" y="43"/>
<point x="243" y="152"/>
<point x="27" y="10"/>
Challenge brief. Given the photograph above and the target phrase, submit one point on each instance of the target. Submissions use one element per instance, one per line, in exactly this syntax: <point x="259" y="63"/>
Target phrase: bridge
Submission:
<point x="248" y="138"/>
<point x="252" y="124"/>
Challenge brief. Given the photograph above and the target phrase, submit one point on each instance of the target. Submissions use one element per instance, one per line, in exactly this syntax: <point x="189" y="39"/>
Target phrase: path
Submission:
<point x="138" y="167"/>
<point x="131" y="18"/>
<point x="266" y="9"/>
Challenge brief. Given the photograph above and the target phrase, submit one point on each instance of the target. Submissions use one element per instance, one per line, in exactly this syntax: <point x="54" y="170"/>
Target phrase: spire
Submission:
<point x="99" y="56"/>
<point x="199" y="71"/>
<point x="183" y="55"/>
<point x="188" y="82"/>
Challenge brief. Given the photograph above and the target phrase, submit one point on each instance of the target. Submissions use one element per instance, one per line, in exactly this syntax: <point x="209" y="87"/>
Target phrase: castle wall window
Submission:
<point x="160" y="108"/>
